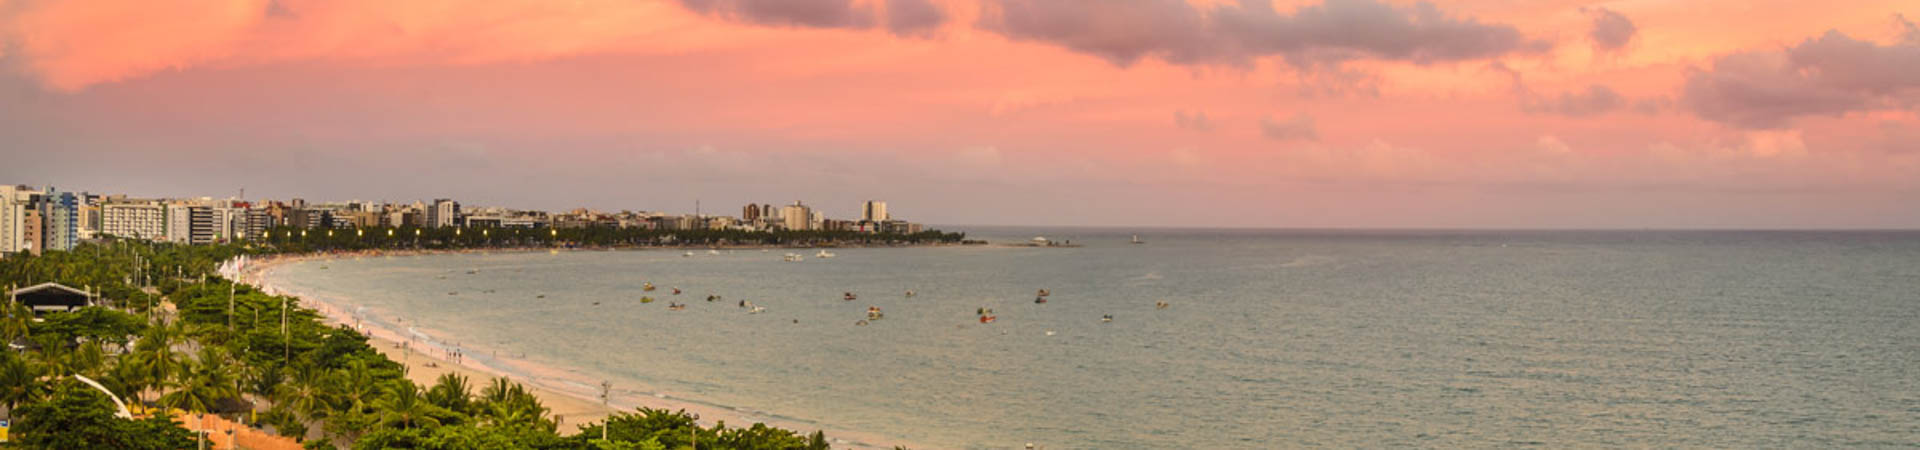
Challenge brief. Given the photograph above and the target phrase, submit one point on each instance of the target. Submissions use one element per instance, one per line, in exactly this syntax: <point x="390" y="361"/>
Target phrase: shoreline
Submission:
<point x="571" y="397"/>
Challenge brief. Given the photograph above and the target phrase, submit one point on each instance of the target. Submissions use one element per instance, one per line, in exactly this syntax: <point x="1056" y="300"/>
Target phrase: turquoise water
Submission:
<point x="1272" y="339"/>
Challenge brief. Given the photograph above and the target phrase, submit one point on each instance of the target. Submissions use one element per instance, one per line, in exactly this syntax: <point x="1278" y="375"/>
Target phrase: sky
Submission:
<point x="1212" y="113"/>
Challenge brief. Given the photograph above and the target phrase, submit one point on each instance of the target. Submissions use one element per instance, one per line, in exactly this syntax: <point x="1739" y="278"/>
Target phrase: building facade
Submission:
<point x="875" y="211"/>
<point x="31" y="235"/>
<point x="61" y="210"/>
<point x="797" y="216"/>
<point x="134" y="220"/>
<point x="14" y="203"/>
<point x="443" y="213"/>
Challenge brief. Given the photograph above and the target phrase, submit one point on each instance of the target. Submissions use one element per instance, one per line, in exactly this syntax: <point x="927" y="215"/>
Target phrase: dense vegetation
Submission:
<point x="297" y="240"/>
<point x="264" y="360"/>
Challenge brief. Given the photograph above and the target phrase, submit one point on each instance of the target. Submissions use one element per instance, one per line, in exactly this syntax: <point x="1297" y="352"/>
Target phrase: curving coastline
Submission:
<point x="571" y="395"/>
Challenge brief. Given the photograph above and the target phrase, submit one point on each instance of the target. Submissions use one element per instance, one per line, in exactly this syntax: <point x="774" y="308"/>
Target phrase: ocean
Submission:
<point x="1270" y="339"/>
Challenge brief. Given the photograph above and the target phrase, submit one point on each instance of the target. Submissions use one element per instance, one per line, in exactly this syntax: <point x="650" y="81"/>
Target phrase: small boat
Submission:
<point x="1049" y="332"/>
<point x="909" y="293"/>
<point x="646" y="299"/>
<point x="823" y="254"/>
<point x="676" y="291"/>
<point x="676" y="307"/>
<point x="1106" y="318"/>
<point x="1160" y="305"/>
<point x="793" y="257"/>
<point x="472" y="271"/>
<point x="873" y="313"/>
<point x="1044" y="292"/>
<point x="1136" y="239"/>
<point x="986" y="319"/>
<point x="596" y="303"/>
<point x="711" y="297"/>
<point x="757" y="310"/>
<point x="647" y="287"/>
<point x="713" y="252"/>
<point x="1039" y="300"/>
<point x="540" y="296"/>
<point x="848" y="296"/>
<point x="686" y="255"/>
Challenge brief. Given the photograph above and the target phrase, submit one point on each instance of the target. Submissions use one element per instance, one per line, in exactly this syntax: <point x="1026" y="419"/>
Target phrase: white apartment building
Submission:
<point x="443" y="213"/>
<point x="134" y="220"/>
<point x="13" y="214"/>
<point x="797" y="216"/>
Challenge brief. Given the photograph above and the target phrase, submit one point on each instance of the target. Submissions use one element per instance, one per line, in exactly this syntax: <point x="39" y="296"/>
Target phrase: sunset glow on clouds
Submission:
<point x="1311" y="113"/>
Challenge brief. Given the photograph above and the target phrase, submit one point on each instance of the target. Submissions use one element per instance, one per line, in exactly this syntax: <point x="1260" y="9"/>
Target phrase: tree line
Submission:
<point x="410" y="237"/>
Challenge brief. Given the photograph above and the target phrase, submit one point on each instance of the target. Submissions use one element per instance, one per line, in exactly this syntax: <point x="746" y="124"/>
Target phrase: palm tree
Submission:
<point x="204" y="383"/>
<point x="452" y="392"/>
<point x="90" y="359"/>
<point x="404" y="405"/>
<point x="54" y="355"/>
<point x="356" y="383"/>
<point x="505" y="403"/>
<point x="309" y="391"/>
<point x="19" y="381"/>
<point x="266" y="383"/>
<point x="124" y="375"/>
<point x="14" y="323"/>
<point x="156" y="356"/>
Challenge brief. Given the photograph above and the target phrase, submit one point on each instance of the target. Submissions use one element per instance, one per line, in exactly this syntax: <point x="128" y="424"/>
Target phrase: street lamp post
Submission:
<point x="606" y="390"/>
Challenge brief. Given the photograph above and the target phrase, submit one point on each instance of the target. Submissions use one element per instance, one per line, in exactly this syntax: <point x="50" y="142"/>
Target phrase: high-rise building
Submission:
<point x="750" y="213"/>
<point x="134" y="220"/>
<point x="61" y="211"/>
<point x="14" y="203"/>
<point x="259" y="221"/>
<point x="797" y="216"/>
<point x="444" y="213"/>
<point x="875" y="211"/>
<point x="205" y="225"/>
<point x="31" y="235"/>
<point x="190" y="224"/>
<point x="229" y="223"/>
<point x="90" y="220"/>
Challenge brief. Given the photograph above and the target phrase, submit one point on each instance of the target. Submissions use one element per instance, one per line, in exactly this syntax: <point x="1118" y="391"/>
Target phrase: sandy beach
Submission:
<point x="572" y="398"/>
<point x="425" y="366"/>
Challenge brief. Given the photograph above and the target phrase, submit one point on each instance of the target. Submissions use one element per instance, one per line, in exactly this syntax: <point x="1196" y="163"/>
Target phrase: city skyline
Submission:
<point x="1202" y="113"/>
<point x="34" y="219"/>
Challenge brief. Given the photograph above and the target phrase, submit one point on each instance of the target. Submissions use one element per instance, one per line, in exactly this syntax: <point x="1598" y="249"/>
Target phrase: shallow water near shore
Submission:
<point x="1270" y="339"/>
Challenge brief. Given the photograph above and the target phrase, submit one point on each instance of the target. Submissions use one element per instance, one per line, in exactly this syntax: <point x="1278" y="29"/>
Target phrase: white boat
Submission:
<point x="686" y="255"/>
<point x="794" y="257"/>
<point x="823" y="254"/>
<point x="713" y="252"/>
<point x="1136" y="239"/>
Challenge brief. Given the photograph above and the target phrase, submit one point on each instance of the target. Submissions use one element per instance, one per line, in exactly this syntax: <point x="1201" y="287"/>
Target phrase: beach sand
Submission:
<point x="570" y="410"/>
<point x="425" y="367"/>
<point x="573" y="407"/>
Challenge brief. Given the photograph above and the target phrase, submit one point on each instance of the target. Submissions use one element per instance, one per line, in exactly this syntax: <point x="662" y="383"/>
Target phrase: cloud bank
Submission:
<point x="1124" y="32"/>
<point x="1612" y="31"/>
<point x="1830" y="75"/>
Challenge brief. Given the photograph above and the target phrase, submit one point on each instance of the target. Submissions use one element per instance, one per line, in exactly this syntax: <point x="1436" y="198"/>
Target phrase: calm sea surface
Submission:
<point x="1272" y="339"/>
